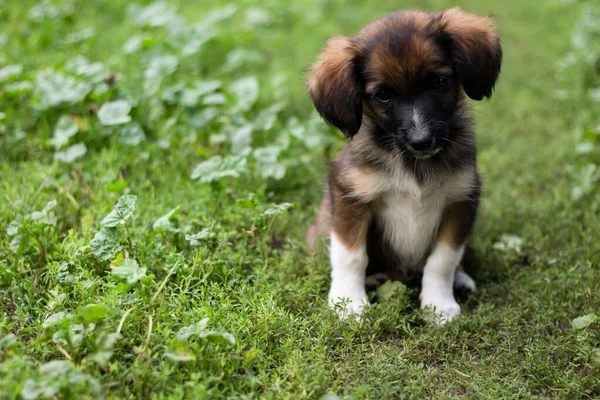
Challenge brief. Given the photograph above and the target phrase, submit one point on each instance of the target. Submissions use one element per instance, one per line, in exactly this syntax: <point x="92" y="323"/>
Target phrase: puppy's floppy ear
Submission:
<point x="334" y="86"/>
<point x="475" y="48"/>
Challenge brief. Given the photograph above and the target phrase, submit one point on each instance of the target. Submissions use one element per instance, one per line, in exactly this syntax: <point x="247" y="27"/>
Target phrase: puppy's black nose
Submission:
<point x="421" y="142"/>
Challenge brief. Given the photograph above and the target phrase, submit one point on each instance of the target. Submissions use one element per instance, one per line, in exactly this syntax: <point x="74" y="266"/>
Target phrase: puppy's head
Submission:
<point x="407" y="73"/>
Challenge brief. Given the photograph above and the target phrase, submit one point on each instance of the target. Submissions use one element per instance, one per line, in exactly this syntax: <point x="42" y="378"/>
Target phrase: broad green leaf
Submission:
<point x="117" y="186"/>
<point x="156" y="14"/>
<point x="65" y="128"/>
<point x="55" y="368"/>
<point x="584" y="321"/>
<point x="246" y="92"/>
<point x="214" y="99"/>
<point x="217" y="167"/>
<point x="591" y="134"/>
<point x="206" y="87"/>
<point x="10" y="72"/>
<point x="190" y="97"/>
<point x="584" y="148"/>
<point x="389" y="288"/>
<point x="71" y="154"/>
<point x="33" y="389"/>
<point x="196" y="238"/>
<point x="277" y="209"/>
<point x="203" y="118"/>
<point x="14" y="226"/>
<point x="160" y="67"/>
<point x="594" y="94"/>
<point x="114" y="113"/>
<point x="109" y="340"/>
<point x="46" y="216"/>
<point x="310" y="134"/>
<point x="179" y="352"/>
<point x="199" y="330"/>
<point x="46" y="9"/>
<point x="55" y="319"/>
<point x="256" y="16"/>
<point x="92" y="72"/>
<point x="267" y="164"/>
<point x="81" y="36"/>
<point x="217" y="15"/>
<point x="585" y="178"/>
<point x="129" y="271"/>
<point x="196" y="329"/>
<point x="271" y="212"/>
<point x="220" y="337"/>
<point x="105" y="244"/>
<point x="509" y="243"/>
<point x="17" y="88"/>
<point x="8" y="341"/>
<point x="101" y="357"/>
<point x="132" y="134"/>
<point x="240" y="138"/>
<point x="122" y="212"/>
<point x="91" y="313"/>
<point x="15" y="243"/>
<point x="206" y="169"/>
<point x="267" y="117"/>
<point x="133" y="44"/>
<point x="240" y="57"/>
<point x="165" y="221"/>
<point x="53" y="88"/>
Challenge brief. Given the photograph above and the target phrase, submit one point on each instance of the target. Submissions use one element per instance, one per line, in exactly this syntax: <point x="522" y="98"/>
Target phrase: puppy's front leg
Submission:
<point x="348" y="269"/>
<point x="438" y="274"/>
<point x="348" y="254"/>
<point x="438" y="281"/>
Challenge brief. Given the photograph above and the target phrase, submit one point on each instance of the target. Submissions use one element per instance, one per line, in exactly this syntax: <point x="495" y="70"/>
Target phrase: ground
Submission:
<point x="160" y="163"/>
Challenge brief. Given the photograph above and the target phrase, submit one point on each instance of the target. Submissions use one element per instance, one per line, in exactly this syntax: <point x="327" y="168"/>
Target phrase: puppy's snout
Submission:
<point x="418" y="132"/>
<point x="420" y="140"/>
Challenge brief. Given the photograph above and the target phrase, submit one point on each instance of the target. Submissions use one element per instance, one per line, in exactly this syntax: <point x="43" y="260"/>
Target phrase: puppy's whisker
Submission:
<point x="448" y="140"/>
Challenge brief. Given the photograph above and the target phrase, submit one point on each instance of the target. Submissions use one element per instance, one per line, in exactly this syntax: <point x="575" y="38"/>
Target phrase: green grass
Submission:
<point x="78" y="320"/>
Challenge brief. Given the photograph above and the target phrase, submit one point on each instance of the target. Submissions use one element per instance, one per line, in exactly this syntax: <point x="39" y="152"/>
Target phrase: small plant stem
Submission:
<point x="164" y="282"/>
<point x="148" y="332"/>
<point x="63" y="352"/>
<point x="123" y="319"/>
<point x="129" y="244"/>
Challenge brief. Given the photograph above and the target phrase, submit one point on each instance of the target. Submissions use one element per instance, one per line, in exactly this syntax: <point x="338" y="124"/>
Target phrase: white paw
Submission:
<point x="444" y="307"/>
<point x="347" y="302"/>
<point x="464" y="281"/>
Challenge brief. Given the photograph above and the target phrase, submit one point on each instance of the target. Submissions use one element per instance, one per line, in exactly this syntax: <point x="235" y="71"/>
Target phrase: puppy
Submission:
<point x="403" y="194"/>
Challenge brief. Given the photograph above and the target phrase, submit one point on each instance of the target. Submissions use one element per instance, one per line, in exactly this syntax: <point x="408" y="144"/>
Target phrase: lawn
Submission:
<point x="160" y="162"/>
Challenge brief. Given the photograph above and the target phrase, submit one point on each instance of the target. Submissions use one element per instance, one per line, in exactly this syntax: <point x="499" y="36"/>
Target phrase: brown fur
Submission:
<point x="332" y="84"/>
<point x="398" y="51"/>
<point x="336" y="92"/>
<point x="459" y="220"/>
<point x="476" y="46"/>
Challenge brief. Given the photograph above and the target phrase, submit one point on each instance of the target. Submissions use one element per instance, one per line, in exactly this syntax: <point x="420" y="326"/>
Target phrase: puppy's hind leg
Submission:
<point x="322" y="225"/>
<point x="462" y="280"/>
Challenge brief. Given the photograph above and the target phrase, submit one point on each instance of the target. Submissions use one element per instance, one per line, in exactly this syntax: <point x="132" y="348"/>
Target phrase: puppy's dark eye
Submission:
<point x="439" y="83"/>
<point x="383" y="96"/>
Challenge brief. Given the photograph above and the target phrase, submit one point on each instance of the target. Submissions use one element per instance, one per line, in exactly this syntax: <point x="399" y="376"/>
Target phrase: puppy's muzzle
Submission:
<point x="420" y="140"/>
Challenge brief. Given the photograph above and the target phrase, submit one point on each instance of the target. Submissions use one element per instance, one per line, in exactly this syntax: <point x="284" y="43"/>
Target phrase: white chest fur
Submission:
<point x="410" y="214"/>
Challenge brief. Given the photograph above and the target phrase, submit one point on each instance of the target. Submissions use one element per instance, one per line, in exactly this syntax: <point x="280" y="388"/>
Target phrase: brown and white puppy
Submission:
<point x="404" y="192"/>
